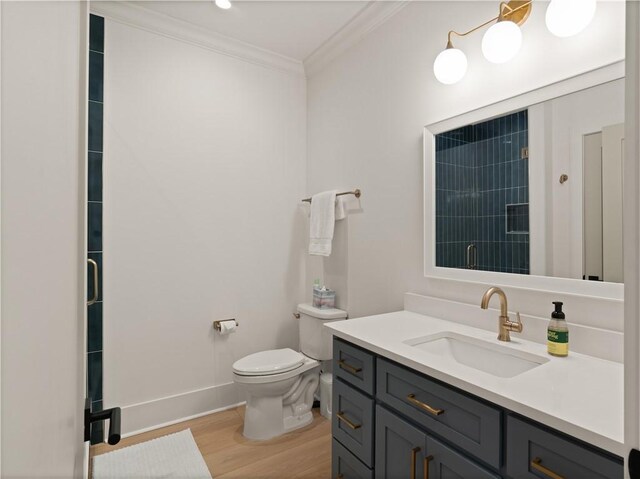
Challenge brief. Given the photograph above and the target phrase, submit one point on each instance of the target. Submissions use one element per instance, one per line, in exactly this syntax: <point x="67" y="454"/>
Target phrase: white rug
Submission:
<point x="172" y="456"/>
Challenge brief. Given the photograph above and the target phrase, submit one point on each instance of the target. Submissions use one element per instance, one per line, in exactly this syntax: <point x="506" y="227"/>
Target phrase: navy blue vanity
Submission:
<point x="392" y="422"/>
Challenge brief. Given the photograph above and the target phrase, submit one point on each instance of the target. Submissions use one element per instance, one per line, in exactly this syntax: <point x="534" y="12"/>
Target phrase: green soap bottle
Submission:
<point x="558" y="333"/>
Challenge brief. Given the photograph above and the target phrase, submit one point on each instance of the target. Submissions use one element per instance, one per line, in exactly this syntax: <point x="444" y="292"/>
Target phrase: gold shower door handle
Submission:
<point x="94" y="297"/>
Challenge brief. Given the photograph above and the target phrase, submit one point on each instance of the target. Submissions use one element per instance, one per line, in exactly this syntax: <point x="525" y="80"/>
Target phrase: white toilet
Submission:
<point x="280" y="383"/>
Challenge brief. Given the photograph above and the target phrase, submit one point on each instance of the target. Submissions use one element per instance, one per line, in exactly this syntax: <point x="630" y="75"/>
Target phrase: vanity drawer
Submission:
<point x="354" y="365"/>
<point x="470" y="424"/>
<point x="533" y="452"/>
<point x="352" y="421"/>
<point x="345" y="465"/>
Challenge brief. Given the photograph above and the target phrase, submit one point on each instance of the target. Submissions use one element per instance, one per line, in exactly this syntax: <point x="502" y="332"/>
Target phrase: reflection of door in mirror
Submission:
<point x="602" y="177"/>
<point x="482" y="196"/>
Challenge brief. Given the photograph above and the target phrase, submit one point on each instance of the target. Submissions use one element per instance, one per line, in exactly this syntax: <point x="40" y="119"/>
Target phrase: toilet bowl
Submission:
<point x="280" y="384"/>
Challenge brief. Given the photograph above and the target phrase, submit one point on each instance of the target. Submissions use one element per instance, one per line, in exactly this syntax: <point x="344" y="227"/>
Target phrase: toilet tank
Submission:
<point x="316" y="340"/>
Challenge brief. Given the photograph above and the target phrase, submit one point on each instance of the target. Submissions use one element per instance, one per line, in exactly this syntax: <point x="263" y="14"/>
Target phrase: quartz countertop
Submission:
<point x="579" y="395"/>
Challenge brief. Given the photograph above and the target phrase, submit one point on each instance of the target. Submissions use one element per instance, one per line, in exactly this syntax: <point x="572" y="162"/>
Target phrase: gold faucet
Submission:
<point x="504" y="323"/>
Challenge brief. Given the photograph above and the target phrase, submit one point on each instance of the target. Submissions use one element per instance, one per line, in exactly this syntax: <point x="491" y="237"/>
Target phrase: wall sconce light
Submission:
<point x="224" y="4"/>
<point x="502" y="41"/>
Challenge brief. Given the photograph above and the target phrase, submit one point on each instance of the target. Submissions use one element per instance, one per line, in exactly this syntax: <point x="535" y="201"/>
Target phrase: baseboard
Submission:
<point x="149" y="415"/>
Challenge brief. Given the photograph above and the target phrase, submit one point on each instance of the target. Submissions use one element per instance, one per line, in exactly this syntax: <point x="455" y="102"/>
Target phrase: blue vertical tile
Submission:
<point x="96" y="33"/>
<point x="94" y="379"/>
<point x="96" y="73"/>
<point x="94" y="224"/>
<point x="94" y="176"/>
<point x="95" y="126"/>
<point x="94" y="328"/>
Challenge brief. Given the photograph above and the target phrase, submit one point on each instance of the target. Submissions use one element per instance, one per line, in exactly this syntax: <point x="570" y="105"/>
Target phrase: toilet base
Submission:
<point x="277" y="408"/>
<point x="292" y="423"/>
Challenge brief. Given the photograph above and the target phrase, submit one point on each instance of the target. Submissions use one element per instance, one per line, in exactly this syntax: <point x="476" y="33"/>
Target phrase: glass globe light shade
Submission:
<point x="566" y="18"/>
<point x="450" y="66"/>
<point x="224" y="4"/>
<point x="501" y="42"/>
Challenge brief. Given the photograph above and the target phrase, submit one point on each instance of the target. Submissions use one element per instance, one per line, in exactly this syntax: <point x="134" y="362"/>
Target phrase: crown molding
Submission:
<point x="165" y="25"/>
<point x="367" y="20"/>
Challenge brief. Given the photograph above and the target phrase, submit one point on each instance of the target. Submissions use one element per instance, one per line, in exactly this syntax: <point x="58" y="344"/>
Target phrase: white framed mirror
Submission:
<point x="527" y="192"/>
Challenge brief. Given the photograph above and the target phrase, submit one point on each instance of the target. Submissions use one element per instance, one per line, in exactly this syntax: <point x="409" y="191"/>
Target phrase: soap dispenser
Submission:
<point x="558" y="333"/>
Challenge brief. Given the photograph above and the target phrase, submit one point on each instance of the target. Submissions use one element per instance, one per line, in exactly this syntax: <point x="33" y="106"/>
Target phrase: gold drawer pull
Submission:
<point x="427" y="460"/>
<point x="431" y="410"/>
<point x="340" y="476"/>
<point x="341" y="416"/>
<point x="537" y="465"/>
<point x="348" y="367"/>
<point x="414" y="460"/>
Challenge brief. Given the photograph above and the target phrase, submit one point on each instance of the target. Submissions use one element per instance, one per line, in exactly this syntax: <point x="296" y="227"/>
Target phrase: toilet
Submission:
<point x="280" y="383"/>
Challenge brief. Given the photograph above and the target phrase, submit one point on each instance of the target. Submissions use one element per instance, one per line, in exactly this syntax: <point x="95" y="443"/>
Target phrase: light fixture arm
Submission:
<point x="502" y="16"/>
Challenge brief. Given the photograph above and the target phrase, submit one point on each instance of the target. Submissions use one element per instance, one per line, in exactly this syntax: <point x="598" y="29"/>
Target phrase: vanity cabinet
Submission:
<point x="391" y="422"/>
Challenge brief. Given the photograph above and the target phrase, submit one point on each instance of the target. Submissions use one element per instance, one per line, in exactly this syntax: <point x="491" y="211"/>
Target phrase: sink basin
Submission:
<point x="478" y="354"/>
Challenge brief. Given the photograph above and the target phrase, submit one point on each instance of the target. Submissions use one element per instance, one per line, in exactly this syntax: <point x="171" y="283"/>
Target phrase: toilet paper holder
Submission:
<point x="218" y="327"/>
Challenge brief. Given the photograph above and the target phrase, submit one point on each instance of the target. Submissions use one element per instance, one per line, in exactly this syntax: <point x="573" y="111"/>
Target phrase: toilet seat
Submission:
<point x="267" y="363"/>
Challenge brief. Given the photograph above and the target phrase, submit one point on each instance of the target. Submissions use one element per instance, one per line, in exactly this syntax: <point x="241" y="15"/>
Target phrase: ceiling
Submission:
<point x="291" y="28"/>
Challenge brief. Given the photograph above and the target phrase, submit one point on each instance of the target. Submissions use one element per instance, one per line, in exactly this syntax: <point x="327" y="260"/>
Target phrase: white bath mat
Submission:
<point x="172" y="456"/>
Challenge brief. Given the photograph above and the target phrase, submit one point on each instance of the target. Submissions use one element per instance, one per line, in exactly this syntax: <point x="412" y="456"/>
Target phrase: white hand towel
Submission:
<point x="341" y="212"/>
<point x="322" y="223"/>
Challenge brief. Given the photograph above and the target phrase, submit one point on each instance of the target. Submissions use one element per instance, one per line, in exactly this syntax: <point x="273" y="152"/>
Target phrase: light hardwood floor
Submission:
<point x="301" y="454"/>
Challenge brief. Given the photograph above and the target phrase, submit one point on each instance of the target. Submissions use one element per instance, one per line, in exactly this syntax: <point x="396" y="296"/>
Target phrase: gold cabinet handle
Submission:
<point x="537" y="465"/>
<point x="348" y="367"/>
<point x="427" y="460"/>
<point x="424" y="406"/>
<point x="94" y="298"/>
<point x="352" y="425"/>
<point x="414" y="460"/>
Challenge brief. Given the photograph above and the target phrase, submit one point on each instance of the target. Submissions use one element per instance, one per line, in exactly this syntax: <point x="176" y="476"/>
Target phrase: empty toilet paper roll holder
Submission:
<point x="218" y="327"/>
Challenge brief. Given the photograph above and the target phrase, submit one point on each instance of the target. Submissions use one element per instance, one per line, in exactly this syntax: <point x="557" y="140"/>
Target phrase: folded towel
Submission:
<point x="322" y="222"/>
<point x="341" y="212"/>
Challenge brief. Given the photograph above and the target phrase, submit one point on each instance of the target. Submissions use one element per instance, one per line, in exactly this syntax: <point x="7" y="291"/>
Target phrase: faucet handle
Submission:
<point x="517" y="325"/>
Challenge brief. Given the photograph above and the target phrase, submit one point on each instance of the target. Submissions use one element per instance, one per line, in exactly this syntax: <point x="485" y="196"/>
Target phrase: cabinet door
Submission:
<point x="445" y="463"/>
<point x="400" y="447"/>
<point x="533" y="452"/>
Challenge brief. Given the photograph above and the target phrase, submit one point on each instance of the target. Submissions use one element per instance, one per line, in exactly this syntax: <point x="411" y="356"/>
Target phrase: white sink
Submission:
<point x="492" y="358"/>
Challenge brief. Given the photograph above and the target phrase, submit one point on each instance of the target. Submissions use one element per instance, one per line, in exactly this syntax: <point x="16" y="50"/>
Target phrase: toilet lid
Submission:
<point x="268" y="362"/>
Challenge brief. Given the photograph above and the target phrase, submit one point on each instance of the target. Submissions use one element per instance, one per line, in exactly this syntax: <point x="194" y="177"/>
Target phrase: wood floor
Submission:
<point x="301" y="454"/>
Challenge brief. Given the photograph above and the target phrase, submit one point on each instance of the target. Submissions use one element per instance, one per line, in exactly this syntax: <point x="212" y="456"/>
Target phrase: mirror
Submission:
<point x="534" y="190"/>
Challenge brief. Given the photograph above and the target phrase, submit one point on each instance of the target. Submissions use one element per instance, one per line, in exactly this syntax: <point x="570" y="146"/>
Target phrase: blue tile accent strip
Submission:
<point x="95" y="126"/>
<point x="94" y="225"/>
<point x="94" y="216"/>
<point x="94" y="328"/>
<point x="96" y="33"/>
<point x="479" y="172"/>
<point x="94" y="366"/>
<point x="95" y="176"/>
<point x="96" y="66"/>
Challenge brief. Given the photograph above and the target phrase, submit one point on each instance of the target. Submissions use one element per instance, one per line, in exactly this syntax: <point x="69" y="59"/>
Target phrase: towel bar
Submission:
<point x="355" y="192"/>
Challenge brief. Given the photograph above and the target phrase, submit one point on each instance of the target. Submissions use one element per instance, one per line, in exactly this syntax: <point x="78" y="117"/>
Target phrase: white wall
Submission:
<point x="366" y="112"/>
<point x="204" y="170"/>
<point x="43" y="151"/>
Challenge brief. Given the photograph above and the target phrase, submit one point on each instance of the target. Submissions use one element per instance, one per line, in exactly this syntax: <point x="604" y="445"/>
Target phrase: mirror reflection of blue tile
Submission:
<point x="482" y="196"/>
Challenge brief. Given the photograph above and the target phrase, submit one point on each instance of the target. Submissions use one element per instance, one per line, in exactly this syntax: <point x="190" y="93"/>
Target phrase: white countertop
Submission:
<point x="579" y="395"/>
